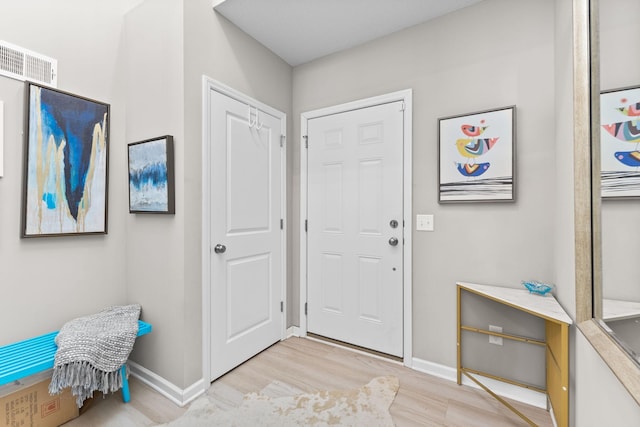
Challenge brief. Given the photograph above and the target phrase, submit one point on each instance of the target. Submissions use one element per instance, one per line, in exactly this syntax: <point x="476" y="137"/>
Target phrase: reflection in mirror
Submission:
<point x="620" y="163"/>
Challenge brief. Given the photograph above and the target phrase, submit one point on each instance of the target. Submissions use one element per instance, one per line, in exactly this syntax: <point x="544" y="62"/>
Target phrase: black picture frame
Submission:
<point x="66" y="164"/>
<point x="152" y="176"/>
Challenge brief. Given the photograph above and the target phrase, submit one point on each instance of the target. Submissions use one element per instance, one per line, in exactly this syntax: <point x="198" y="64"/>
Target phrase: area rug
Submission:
<point x="364" y="406"/>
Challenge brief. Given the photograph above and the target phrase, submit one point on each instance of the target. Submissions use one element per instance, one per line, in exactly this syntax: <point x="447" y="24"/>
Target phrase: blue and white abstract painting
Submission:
<point x="66" y="173"/>
<point x="151" y="176"/>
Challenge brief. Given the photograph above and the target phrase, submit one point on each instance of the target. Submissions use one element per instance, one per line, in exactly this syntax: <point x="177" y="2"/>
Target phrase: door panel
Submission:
<point x="355" y="189"/>
<point x="332" y="295"/>
<point x="247" y="277"/>
<point x="370" y="292"/>
<point x="333" y="209"/>
<point x="371" y="203"/>
<point x="249" y="180"/>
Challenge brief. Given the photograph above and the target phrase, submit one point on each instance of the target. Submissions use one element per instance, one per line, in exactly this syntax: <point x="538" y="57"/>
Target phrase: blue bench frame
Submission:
<point x="28" y="357"/>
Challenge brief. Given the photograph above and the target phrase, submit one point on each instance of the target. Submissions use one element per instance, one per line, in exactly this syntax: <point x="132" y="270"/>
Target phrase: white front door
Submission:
<point x="355" y="227"/>
<point x="247" y="240"/>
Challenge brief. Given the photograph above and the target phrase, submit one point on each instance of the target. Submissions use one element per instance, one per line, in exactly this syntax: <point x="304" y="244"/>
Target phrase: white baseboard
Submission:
<point x="435" y="369"/>
<point x="179" y="396"/>
<point x="293" y="331"/>
<point x="500" y="388"/>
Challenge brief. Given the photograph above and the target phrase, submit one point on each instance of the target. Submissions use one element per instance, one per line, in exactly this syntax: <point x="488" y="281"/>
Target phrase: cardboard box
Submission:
<point x="27" y="403"/>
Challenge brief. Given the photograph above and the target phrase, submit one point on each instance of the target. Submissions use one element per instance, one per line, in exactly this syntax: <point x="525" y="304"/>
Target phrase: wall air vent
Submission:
<point x="22" y="64"/>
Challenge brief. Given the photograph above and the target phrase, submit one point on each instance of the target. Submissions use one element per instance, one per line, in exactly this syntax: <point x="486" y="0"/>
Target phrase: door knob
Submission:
<point x="219" y="249"/>
<point x="393" y="241"/>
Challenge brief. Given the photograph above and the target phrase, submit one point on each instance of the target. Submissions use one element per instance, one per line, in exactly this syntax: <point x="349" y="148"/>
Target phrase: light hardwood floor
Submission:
<point x="309" y="365"/>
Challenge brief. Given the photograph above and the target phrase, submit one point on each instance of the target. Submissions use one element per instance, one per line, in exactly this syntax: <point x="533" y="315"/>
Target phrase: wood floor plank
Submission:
<point x="309" y="365"/>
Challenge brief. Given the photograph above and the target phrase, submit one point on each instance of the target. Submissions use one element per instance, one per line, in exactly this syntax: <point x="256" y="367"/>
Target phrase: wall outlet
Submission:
<point x="492" y="339"/>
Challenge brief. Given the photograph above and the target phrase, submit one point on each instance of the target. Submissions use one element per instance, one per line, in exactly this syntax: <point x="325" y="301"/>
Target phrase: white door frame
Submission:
<point x="209" y="84"/>
<point x="407" y="97"/>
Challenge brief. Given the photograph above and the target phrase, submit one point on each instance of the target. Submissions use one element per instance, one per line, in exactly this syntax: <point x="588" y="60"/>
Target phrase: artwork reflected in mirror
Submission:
<point x="620" y="142"/>
<point x="620" y="178"/>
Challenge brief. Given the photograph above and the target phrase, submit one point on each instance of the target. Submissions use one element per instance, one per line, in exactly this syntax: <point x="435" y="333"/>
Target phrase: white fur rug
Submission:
<point x="364" y="406"/>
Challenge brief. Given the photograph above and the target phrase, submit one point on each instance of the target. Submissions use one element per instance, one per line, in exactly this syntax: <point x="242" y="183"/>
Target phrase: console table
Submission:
<point x="556" y="342"/>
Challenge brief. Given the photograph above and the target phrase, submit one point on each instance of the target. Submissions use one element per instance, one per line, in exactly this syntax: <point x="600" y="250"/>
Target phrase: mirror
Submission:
<point x="617" y="293"/>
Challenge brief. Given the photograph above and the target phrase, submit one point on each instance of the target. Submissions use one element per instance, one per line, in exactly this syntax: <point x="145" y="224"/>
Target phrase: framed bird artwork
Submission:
<point x="620" y="143"/>
<point x="476" y="156"/>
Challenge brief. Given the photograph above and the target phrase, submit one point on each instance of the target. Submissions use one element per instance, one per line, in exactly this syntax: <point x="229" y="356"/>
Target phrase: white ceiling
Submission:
<point x="299" y="31"/>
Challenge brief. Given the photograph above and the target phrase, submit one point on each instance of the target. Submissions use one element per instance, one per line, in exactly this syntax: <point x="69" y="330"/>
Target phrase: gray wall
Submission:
<point x="600" y="400"/>
<point x="510" y="61"/>
<point x="171" y="45"/>
<point x="155" y="260"/>
<point x="48" y="281"/>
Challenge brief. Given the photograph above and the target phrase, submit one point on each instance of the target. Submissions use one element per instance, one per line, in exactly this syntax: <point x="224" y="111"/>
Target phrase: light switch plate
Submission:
<point x="424" y="222"/>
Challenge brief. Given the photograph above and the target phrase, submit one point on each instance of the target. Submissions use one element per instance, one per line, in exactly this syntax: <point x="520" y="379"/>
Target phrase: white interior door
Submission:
<point x="246" y="257"/>
<point x="355" y="227"/>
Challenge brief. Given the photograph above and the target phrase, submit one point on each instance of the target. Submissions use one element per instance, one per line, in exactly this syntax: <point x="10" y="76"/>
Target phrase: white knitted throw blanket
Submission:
<point x="91" y="351"/>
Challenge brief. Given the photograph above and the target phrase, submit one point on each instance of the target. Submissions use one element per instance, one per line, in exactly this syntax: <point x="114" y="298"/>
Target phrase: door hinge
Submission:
<point x="306" y="308"/>
<point x="402" y="107"/>
<point x="281" y="306"/>
<point x="282" y="139"/>
<point x="306" y="141"/>
<point x="306" y="225"/>
<point x="281" y="224"/>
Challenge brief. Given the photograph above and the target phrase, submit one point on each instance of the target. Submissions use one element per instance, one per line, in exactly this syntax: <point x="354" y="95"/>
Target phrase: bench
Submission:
<point x="28" y="357"/>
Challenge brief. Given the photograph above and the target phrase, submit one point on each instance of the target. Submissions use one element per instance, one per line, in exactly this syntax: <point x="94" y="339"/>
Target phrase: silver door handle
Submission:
<point x="393" y="241"/>
<point x="219" y="249"/>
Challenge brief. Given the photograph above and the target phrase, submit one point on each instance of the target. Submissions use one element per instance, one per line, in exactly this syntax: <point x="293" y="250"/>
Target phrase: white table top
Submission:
<point x="546" y="307"/>
<point x="618" y="310"/>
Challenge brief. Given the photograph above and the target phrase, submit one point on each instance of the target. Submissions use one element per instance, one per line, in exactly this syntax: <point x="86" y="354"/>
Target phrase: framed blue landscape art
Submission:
<point x="151" y="176"/>
<point x="65" y="164"/>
